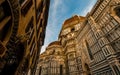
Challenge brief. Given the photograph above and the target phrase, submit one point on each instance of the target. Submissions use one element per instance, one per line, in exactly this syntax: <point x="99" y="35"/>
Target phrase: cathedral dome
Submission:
<point x="54" y="43"/>
<point x="73" y="20"/>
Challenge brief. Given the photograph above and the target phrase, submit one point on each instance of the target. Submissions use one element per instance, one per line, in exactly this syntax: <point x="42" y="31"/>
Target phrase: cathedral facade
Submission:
<point x="22" y="31"/>
<point x="102" y="40"/>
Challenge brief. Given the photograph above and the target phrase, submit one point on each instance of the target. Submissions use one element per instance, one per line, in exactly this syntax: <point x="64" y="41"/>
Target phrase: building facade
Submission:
<point x="100" y="38"/>
<point x="52" y="61"/>
<point x="22" y="31"/>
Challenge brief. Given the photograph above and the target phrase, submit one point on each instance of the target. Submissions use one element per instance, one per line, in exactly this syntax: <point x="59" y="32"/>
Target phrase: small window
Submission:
<point x="73" y="29"/>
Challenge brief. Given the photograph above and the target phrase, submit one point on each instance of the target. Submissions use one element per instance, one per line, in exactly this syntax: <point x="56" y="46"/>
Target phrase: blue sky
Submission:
<point x="59" y="11"/>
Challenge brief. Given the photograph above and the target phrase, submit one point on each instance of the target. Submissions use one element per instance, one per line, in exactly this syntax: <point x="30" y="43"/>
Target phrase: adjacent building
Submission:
<point x="22" y="31"/>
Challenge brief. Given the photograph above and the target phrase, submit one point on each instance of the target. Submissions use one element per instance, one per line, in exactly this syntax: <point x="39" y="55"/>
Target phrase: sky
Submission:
<point x="59" y="11"/>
